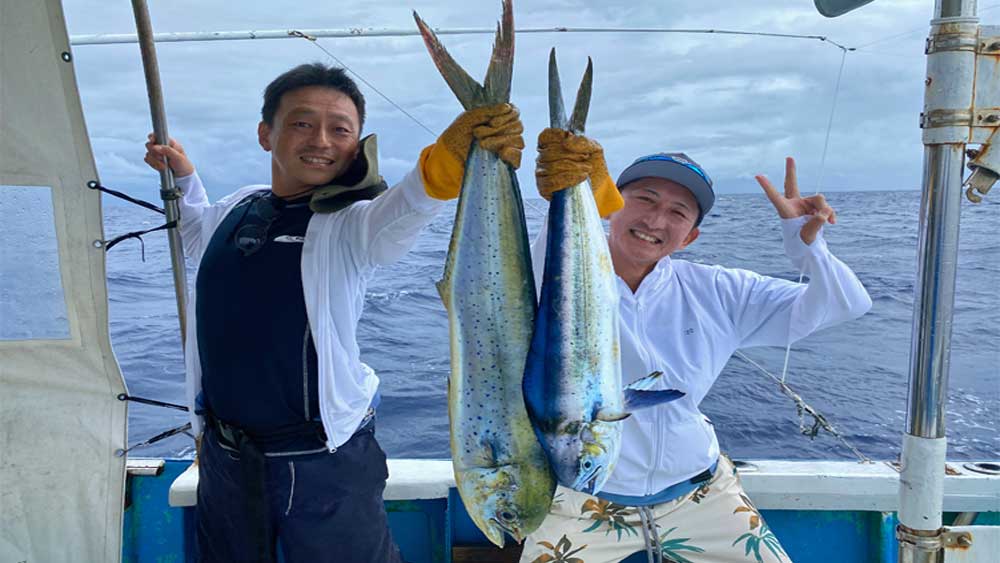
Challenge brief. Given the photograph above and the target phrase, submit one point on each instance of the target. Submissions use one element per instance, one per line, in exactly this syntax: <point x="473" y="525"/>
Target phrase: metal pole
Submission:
<point x="946" y="121"/>
<point x="355" y="32"/>
<point x="168" y="191"/>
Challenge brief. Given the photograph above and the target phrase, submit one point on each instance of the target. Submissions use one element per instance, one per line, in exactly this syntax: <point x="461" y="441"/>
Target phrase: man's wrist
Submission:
<point x="795" y="247"/>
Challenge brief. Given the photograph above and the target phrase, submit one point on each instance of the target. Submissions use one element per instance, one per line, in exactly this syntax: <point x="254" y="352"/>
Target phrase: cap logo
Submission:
<point x="678" y="159"/>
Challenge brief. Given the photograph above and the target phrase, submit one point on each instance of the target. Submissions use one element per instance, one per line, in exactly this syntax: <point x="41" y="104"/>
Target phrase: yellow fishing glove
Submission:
<point x="497" y="128"/>
<point x="565" y="160"/>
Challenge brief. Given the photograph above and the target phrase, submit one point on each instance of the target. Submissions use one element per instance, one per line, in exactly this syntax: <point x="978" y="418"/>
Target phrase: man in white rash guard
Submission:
<point x="673" y="495"/>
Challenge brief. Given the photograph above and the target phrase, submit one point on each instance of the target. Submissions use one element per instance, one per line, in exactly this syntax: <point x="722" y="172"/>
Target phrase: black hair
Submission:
<point x="313" y="74"/>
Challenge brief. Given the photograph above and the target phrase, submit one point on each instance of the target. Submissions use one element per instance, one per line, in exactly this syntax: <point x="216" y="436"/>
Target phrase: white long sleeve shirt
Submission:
<point x="340" y="252"/>
<point x="686" y="320"/>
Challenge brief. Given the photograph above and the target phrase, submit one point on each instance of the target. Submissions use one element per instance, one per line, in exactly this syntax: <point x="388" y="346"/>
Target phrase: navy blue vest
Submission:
<point x="258" y="361"/>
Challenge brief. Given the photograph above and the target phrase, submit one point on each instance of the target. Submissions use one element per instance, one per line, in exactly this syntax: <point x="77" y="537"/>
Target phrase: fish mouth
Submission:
<point x="587" y="482"/>
<point x="513" y="533"/>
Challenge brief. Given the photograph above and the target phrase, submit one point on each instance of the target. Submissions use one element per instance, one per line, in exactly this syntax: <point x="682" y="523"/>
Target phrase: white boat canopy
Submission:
<point x="59" y="380"/>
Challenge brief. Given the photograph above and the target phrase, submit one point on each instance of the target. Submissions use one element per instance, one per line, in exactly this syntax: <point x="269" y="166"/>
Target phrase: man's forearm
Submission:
<point x="390" y="224"/>
<point x="193" y="202"/>
<point x="834" y="293"/>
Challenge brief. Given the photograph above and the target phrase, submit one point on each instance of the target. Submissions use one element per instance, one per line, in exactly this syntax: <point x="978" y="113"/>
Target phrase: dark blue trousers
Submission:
<point x="322" y="507"/>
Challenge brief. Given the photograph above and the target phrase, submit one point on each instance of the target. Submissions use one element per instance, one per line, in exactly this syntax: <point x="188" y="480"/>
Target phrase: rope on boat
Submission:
<point x="110" y="243"/>
<point x="183" y="429"/>
<point x="94" y="185"/>
<point x="151" y="402"/>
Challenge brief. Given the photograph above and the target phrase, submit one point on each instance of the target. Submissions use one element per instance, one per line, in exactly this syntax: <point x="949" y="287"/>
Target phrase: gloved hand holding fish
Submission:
<point x="489" y="291"/>
<point x="566" y="159"/>
<point x="496" y="128"/>
<point x="572" y="382"/>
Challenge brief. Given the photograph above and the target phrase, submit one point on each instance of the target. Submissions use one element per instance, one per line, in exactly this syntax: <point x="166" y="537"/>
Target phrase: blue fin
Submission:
<point x="640" y="394"/>
<point x="638" y="399"/>
<point x="645" y="383"/>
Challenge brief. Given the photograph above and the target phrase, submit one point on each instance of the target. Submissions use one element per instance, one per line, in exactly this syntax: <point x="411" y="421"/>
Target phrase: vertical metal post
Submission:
<point x="946" y="121"/>
<point x="168" y="191"/>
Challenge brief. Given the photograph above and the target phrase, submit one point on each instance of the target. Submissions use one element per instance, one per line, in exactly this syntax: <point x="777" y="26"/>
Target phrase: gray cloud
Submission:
<point x="736" y="104"/>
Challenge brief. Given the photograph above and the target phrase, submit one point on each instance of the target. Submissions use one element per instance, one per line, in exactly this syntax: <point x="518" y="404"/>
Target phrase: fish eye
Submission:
<point x="506" y="516"/>
<point x="588" y="464"/>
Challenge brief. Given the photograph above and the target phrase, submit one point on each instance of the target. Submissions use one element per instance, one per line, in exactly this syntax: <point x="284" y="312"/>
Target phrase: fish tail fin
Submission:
<point x="557" y="112"/>
<point x="501" y="70"/>
<point x="498" y="76"/>
<point x="582" y="105"/>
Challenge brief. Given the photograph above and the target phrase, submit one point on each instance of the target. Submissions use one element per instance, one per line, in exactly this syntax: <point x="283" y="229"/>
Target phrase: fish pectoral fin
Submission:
<point x="606" y="415"/>
<point x="645" y="383"/>
<point x="637" y="399"/>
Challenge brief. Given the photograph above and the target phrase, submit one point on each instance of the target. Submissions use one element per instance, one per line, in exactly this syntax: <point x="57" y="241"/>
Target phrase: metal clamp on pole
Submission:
<point x="168" y="191"/>
<point x="170" y="194"/>
<point x="918" y="540"/>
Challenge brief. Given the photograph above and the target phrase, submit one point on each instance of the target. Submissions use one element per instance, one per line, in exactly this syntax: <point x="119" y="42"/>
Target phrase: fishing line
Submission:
<point x="819" y="182"/>
<point x="803" y="408"/>
<point x="918" y="30"/>
<point x="315" y="42"/>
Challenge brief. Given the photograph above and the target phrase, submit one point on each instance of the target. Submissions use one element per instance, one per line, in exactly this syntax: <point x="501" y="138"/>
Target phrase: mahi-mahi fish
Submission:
<point x="488" y="290"/>
<point x="572" y="383"/>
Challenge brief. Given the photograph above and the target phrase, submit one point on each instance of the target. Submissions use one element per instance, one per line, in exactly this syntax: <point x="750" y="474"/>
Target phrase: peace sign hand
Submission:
<point x="793" y="205"/>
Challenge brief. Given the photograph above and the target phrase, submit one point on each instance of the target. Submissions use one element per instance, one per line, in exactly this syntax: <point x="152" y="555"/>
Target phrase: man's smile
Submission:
<point x="645" y="236"/>
<point x="316" y="160"/>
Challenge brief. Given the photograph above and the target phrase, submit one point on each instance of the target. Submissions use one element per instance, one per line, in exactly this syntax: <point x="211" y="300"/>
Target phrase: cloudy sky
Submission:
<point x="736" y="104"/>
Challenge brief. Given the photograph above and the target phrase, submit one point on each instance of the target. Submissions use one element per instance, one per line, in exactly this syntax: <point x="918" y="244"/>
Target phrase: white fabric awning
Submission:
<point x="61" y="485"/>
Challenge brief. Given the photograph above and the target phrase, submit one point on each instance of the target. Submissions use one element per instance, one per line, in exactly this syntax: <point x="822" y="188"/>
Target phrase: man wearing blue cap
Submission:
<point x="672" y="495"/>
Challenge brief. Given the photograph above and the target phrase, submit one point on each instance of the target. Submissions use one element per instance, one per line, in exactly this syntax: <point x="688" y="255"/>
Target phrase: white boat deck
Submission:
<point x="787" y="485"/>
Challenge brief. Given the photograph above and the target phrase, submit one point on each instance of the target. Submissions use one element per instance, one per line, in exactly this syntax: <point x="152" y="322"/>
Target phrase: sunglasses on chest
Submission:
<point x="259" y="214"/>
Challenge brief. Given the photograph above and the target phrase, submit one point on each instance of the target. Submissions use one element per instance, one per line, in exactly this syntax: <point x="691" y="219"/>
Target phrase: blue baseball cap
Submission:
<point x="676" y="167"/>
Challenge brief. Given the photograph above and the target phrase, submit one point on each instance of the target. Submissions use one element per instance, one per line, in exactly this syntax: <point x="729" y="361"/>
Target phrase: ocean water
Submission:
<point x="855" y="374"/>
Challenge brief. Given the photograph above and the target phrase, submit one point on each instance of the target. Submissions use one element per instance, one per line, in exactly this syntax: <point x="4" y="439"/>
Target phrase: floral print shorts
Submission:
<point x="716" y="523"/>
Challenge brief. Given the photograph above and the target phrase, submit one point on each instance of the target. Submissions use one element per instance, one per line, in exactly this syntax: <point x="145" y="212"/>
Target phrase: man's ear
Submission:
<point x="690" y="238"/>
<point x="264" y="136"/>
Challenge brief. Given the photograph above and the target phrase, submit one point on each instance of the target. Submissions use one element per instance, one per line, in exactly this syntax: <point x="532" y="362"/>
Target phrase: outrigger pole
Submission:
<point x="168" y="191"/>
<point x="258" y="34"/>
<point x="948" y="123"/>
